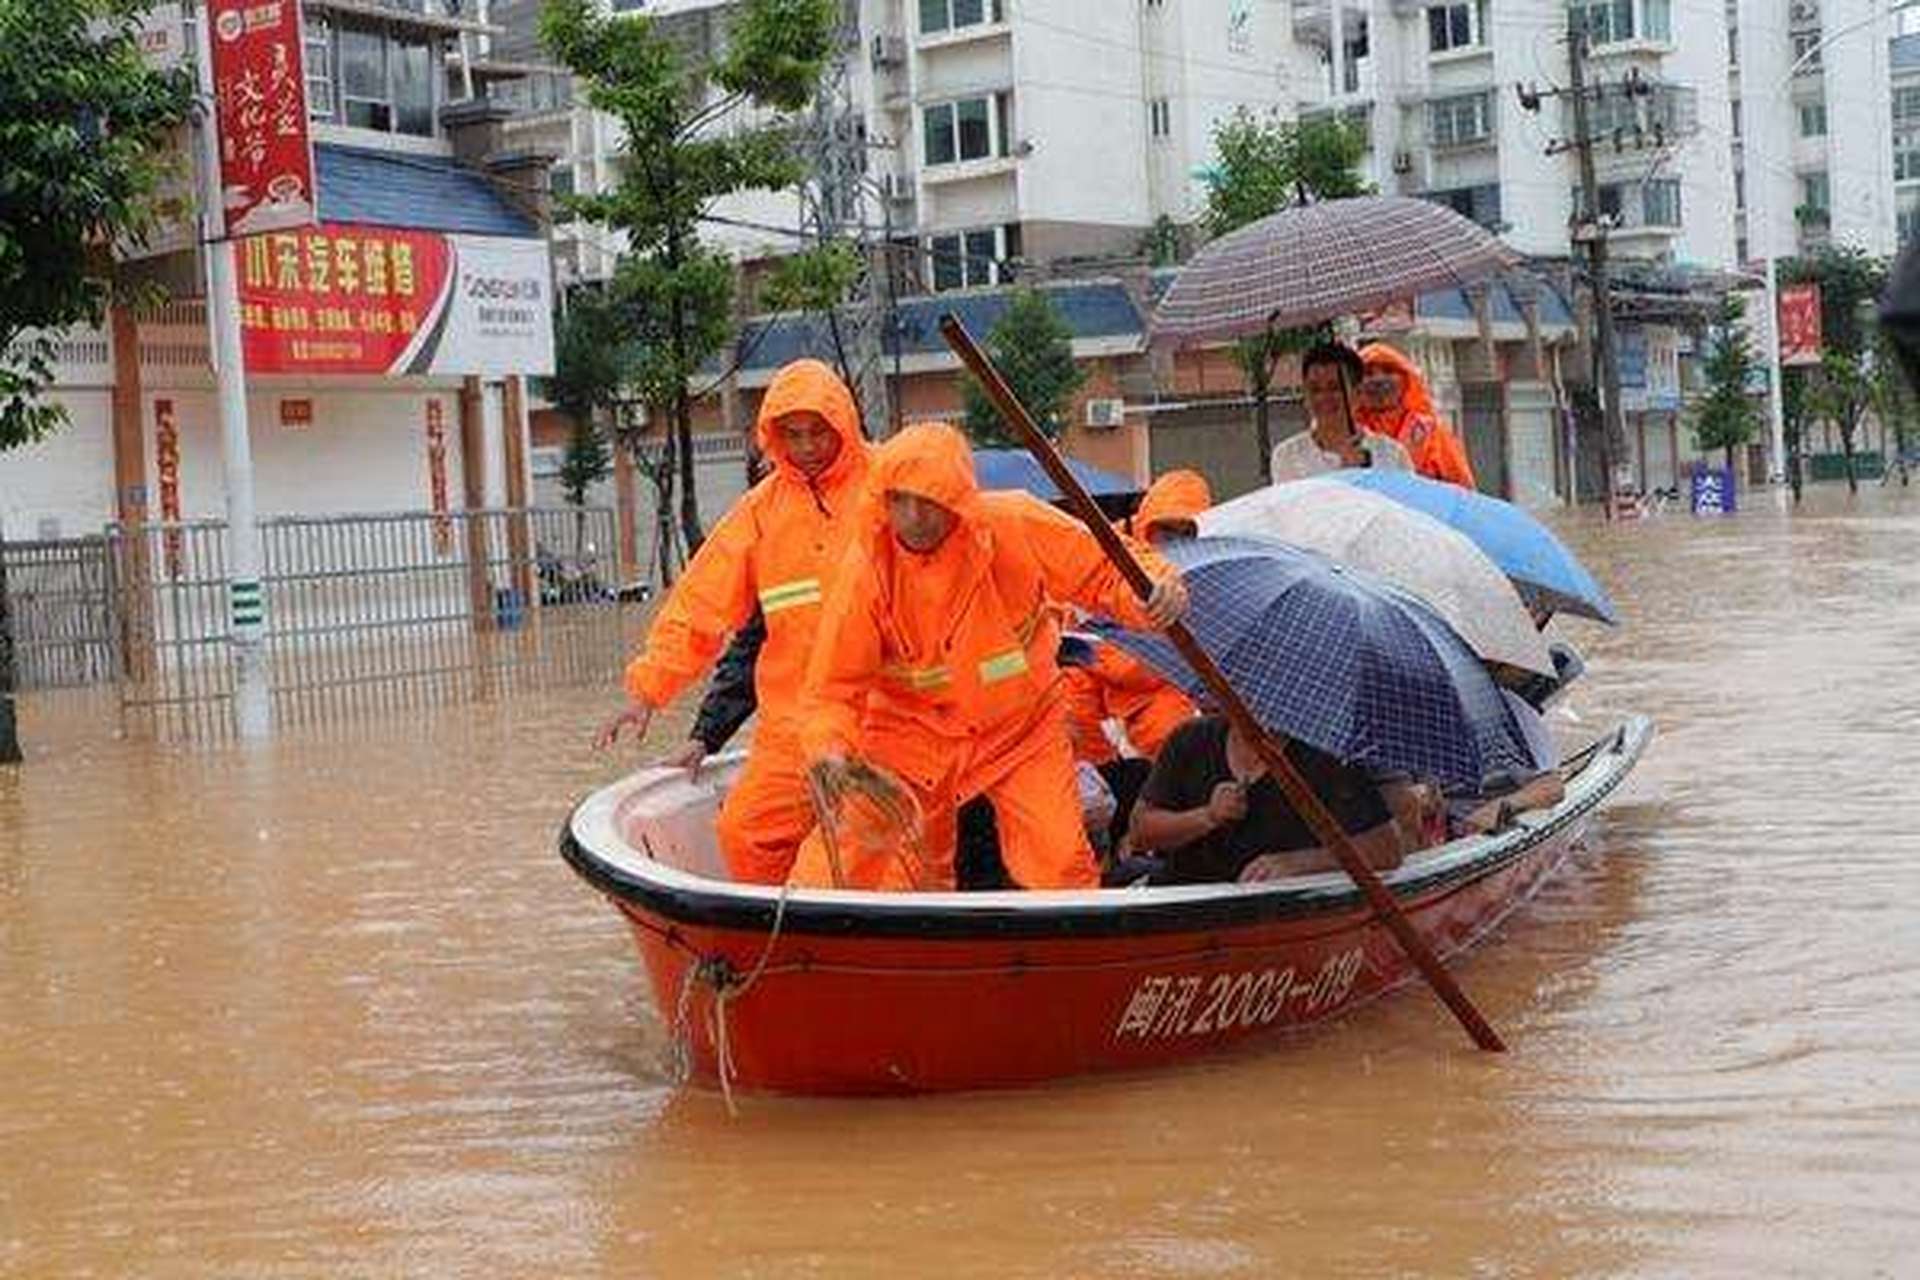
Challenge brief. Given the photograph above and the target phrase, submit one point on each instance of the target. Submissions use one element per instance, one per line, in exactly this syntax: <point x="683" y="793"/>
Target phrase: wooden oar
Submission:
<point x="1271" y="747"/>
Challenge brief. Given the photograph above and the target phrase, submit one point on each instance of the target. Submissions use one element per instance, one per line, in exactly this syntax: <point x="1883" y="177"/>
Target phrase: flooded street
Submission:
<point x="336" y="1008"/>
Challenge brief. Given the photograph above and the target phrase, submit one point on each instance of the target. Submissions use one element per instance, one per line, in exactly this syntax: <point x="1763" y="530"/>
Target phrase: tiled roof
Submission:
<point x="427" y="193"/>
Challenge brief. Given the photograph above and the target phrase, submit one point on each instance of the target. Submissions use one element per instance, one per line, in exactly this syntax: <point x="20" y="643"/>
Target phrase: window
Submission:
<point x="1656" y="20"/>
<point x="1905" y="223"/>
<point x="952" y="15"/>
<point x="1739" y="188"/>
<point x="1816" y="197"/>
<point x="1733" y="46"/>
<point x="560" y="180"/>
<point x="365" y="100"/>
<point x="412" y="62"/>
<point x="1660" y="203"/>
<point x="1456" y="26"/>
<point x="1605" y="21"/>
<point x="973" y="259"/>
<point x="1482" y="203"/>
<point x="1160" y="118"/>
<point x="1906" y="155"/>
<point x="1736" y="119"/>
<point x="1906" y="105"/>
<point x="1806" y="44"/>
<point x="1813" y="119"/>
<point x="318" y="46"/>
<point x="1460" y="121"/>
<point x="970" y="129"/>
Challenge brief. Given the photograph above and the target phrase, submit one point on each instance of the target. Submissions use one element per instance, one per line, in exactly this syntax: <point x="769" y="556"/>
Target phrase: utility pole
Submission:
<point x="836" y="202"/>
<point x="1591" y="228"/>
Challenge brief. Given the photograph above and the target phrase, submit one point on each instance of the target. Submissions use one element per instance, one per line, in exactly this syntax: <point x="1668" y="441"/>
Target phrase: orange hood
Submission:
<point x="929" y="460"/>
<point x="1416" y="399"/>
<point x="1176" y="496"/>
<point x="812" y="387"/>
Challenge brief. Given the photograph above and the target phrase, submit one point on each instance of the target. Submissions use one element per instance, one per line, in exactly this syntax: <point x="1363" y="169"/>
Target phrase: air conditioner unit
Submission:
<point x="1104" y="414"/>
<point x="1403" y="162"/>
<point x="889" y="51"/>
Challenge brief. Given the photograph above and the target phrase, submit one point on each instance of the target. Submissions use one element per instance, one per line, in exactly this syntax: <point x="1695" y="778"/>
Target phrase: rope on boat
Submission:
<point x="717" y="972"/>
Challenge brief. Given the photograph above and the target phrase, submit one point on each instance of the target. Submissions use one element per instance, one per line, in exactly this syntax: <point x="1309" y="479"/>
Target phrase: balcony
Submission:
<point x="1651" y="115"/>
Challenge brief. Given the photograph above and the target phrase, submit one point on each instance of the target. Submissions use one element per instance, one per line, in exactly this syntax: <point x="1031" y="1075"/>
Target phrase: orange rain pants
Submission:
<point x="773" y="550"/>
<point x="939" y="666"/>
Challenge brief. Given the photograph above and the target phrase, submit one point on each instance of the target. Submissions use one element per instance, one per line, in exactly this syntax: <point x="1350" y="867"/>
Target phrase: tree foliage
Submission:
<point x="684" y="148"/>
<point x="1263" y="165"/>
<point x="1727" y="416"/>
<point x="86" y="135"/>
<point x="1032" y="345"/>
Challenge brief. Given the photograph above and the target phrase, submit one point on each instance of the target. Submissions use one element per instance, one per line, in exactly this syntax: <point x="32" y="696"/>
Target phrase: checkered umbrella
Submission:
<point x="1317" y="262"/>
<point x="1339" y="660"/>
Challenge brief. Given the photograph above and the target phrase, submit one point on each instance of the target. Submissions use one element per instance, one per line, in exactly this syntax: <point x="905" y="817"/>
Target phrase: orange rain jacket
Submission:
<point x="1436" y="451"/>
<point x="1118" y="686"/>
<point x="940" y="666"/>
<point x="773" y="550"/>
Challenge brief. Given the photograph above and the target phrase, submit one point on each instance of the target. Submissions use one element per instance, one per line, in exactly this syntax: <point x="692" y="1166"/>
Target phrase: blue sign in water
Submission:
<point x="1713" y="492"/>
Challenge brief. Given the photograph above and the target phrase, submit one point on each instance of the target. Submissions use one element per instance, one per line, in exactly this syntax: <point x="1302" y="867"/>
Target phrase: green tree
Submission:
<point x="1033" y="348"/>
<point x="1263" y="165"/>
<point x="1727" y="417"/>
<point x="1839" y="390"/>
<point x="673" y="295"/>
<point x="86" y="129"/>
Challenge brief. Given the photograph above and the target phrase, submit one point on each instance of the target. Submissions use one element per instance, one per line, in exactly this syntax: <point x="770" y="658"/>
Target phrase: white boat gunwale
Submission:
<point x="591" y="842"/>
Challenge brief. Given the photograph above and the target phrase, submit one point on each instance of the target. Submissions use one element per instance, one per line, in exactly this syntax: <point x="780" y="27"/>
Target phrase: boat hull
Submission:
<point x="844" y="993"/>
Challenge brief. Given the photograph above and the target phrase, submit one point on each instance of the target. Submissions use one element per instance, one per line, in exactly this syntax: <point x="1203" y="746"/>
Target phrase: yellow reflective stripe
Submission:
<point x="921" y="677"/>
<point x="1004" y="666"/>
<point x="790" y="594"/>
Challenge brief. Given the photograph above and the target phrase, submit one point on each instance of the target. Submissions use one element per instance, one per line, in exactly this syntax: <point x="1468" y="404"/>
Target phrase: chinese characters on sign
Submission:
<point x="1800" y="324"/>
<point x="351" y="299"/>
<point x="260" y="92"/>
<point x="1713" y="492"/>
<point x="166" y="461"/>
<point x="437" y="476"/>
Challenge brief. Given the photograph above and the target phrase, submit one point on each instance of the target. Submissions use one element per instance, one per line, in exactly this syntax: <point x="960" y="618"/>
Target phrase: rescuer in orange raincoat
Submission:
<point x="1395" y="401"/>
<point x="1115" y="685"/>
<point x="773" y="551"/>
<point x="936" y="661"/>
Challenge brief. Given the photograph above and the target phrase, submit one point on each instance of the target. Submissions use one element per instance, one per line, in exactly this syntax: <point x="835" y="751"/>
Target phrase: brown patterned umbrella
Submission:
<point x="1316" y="262"/>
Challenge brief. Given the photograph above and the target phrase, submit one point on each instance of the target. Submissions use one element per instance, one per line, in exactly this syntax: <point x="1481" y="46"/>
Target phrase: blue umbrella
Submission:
<point x="1016" y="469"/>
<point x="1539" y="564"/>
<point x="1337" y="659"/>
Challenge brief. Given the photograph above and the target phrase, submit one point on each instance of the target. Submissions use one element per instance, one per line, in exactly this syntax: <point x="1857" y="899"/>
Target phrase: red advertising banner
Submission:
<point x="260" y="95"/>
<point x="343" y="298"/>
<point x="166" y="461"/>
<point x="1800" y="324"/>
<point x="437" y="476"/>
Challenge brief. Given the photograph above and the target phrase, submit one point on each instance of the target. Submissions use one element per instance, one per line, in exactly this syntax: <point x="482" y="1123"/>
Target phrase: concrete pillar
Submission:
<point x="473" y="483"/>
<point x="519" y="524"/>
<point x="135" y="567"/>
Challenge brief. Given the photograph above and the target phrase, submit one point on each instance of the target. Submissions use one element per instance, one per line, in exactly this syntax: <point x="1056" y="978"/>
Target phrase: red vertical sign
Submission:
<point x="166" y="460"/>
<point x="437" y="476"/>
<point x="260" y="88"/>
<point x="1800" y="324"/>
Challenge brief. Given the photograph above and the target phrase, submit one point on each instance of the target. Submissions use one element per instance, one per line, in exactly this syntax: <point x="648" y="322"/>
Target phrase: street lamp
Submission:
<point x="1776" y="410"/>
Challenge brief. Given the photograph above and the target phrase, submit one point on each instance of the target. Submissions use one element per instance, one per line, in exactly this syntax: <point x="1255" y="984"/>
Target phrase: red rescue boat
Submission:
<point x="844" y="992"/>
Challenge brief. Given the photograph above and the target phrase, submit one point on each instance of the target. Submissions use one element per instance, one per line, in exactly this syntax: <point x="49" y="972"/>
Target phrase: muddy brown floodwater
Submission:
<point x="335" y="1008"/>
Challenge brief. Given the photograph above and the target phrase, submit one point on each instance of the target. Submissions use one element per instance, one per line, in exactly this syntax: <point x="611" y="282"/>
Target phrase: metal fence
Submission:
<point x="60" y="601"/>
<point x="368" y="613"/>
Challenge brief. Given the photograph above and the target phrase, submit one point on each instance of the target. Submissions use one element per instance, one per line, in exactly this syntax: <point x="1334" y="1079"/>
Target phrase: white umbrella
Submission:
<point x="1411" y="550"/>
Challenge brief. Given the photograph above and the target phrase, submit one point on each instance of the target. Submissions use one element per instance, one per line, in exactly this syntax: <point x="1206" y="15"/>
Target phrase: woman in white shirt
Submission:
<point x="1329" y="373"/>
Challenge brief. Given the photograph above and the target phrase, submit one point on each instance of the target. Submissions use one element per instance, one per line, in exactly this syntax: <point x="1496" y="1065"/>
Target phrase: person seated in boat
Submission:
<point x="1330" y="375"/>
<point x="772" y="551"/>
<point x="1395" y="401"/>
<point x="1504" y="794"/>
<point x="1213" y="813"/>
<point x="935" y="662"/>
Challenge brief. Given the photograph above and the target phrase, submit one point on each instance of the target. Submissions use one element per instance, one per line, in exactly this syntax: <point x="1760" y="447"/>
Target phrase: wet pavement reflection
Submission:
<point x="334" y="1007"/>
